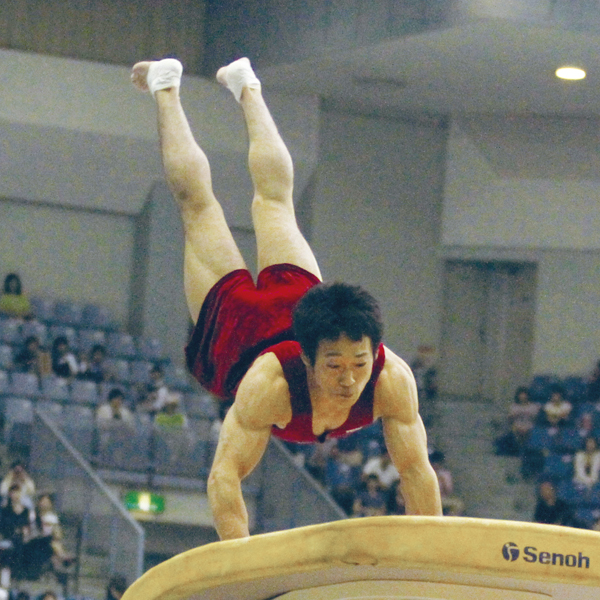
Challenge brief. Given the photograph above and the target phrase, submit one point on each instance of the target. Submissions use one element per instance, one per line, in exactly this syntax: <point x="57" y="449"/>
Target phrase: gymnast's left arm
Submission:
<point x="405" y="437"/>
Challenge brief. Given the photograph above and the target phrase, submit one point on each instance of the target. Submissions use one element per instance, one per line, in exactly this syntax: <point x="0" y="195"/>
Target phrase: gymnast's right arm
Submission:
<point x="242" y="442"/>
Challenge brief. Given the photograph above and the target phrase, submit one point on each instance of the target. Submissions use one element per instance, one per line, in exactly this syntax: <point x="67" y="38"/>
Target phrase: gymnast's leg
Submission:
<point x="278" y="237"/>
<point x="210" y="250"/>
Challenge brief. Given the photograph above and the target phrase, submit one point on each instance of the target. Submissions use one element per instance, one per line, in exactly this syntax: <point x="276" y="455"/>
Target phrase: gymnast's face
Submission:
<point x="342" y="368"/>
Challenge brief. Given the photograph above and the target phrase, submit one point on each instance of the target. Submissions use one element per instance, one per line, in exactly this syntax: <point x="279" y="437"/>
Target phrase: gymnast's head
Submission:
<point x="331" y="311"/>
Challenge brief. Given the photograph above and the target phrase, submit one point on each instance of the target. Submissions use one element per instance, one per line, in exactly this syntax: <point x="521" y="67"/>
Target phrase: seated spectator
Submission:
<point x="342" y="480"/>
<point x="382" y="467"/>
<point x="424" y="370"/>
<point x="13" y="302"/>
<point x="557" y="410"/>
<point x="64" y="363"/>
<point x="116" y="588"/>
<point x="173" y="426"/>
<point x="396" y="504"/>
<point x="451" y="505"/>
<point x="94" y="369"/>
<point x="552" y="510"/>
<point x="17" y="475"/>
<point x="48" y="595"/>
<point x="155" y="395"/>
<point x="16" y="521"/>
<point x="316" y="461"/>
<point x="522" y="416"/>
<point x="587" y="464"/>
<point x="585" y="425"/>
<point x="30" y="359"/>
<point x="593" y="386"/>
<point x="114" y="411"/>
<point x="371" y="501"/>
<point x="45" y="549"/>
<point x="115" y="426"/>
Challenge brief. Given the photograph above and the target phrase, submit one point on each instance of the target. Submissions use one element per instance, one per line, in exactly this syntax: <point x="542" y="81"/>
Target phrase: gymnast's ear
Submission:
<point x="305" y="360"/>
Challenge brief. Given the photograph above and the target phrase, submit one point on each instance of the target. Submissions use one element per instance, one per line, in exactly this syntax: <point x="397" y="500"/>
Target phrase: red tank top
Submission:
<point x="299" y="429"/>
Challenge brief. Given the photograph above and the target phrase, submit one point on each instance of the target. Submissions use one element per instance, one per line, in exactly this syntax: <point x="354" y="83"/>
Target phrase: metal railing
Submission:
<point x="288" y="496"/>
<point x="107" y="534"/>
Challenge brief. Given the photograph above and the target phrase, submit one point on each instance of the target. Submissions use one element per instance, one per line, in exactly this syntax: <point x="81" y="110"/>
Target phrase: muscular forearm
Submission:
<point x="228" y="508"/>
<point x="421" y="492"/>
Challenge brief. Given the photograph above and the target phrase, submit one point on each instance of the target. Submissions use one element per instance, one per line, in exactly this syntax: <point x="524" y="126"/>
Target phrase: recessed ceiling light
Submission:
<point x="571" y="73"/>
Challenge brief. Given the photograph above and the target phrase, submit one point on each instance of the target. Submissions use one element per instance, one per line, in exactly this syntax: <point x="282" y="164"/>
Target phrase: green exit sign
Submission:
<point x="145" y="502"/>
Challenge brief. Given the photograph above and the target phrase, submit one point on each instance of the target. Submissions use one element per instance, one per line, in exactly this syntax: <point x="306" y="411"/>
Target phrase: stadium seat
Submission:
<point x="53" y="410"/>
<point x="121" y="345"/>
<point x="84" y="392"/>
<point x="6" y="357"/>
<point x="55" y="389"/>
<point x="88" y="338"/>
<point x="177" y="378"/>
<point x="118" y="369"/>
<point x="37" y="329"/>
<point x="140" y="371"/>
<point x="10" y="331"/>
<point x="97" y="317"/>
<point x="68" y="312"/>
<point x="4" y="384"/>
<point x="558" y="467"/>
<point x="25" y="385"/>
<point x="151" y="349"/>
<point x="43" y="309"/>
<point x="567" y="441"/>
<point x="201" y="405"/>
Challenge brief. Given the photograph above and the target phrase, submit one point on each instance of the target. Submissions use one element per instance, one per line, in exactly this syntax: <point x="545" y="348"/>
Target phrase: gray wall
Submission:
<point x="376" y="218"/>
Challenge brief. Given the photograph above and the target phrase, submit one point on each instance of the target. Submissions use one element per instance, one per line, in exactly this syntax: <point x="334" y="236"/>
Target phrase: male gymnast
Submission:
<point x="324" y="374"/>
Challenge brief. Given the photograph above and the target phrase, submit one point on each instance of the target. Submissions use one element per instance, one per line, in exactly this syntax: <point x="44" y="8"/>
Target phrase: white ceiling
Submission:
<point x="491" y="66"/>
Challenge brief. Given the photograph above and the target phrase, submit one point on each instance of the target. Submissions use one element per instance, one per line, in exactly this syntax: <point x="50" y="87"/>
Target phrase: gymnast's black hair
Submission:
<point x="330" y="310"/>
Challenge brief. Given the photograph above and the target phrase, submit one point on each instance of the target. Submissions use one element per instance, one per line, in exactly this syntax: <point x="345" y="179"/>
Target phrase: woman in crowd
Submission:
<point x="13" y="302"/>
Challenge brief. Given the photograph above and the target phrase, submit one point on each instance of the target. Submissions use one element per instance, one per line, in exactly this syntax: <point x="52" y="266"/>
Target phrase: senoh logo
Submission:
<point x="511" y="553"/>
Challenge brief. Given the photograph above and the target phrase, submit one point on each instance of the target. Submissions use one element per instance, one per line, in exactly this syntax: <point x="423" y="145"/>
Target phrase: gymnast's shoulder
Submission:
<point x="263" y="396"/>
<point x="396" y="389"/>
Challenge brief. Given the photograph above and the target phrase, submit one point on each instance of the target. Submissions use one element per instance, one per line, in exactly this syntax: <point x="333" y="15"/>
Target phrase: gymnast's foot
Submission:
<point x="238" y="75"/>
<point x="156" y="75"/>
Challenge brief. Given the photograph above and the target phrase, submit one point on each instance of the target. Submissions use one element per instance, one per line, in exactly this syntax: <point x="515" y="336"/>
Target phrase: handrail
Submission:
<point x="85" y="466"/>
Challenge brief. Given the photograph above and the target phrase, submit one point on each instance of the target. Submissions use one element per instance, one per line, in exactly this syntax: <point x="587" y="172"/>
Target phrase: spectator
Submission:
<point x="116" y="587"/>
<point x="522" y="416"/>
<point x="94" y="369"/>
<point x="31" y="359"/>
<point x="424" y="370"/>
<point x="371" y="501"/>
<point x="64" y="363"/>
<point x="46" y="548"/>
<point x="550" y="509"/>
<point x="451" y="505"/>
<point x="342" y="480"/>
<point x="383" y="469"/>
<point x="48" y="595"/>
<point x="587" y="464"/>
<point x="114" y="411"/>
<point x="557" y="410"/>
<point x="16" y="521"/>
<point x="13" y="302"/>
<point x="17" y="475"/>
<point x="593" y="386"/>
<point x="116" y="424"/>
<point x="396" y="504"/>
<point x="156" y="392"/>
<point x="172" y="425"/>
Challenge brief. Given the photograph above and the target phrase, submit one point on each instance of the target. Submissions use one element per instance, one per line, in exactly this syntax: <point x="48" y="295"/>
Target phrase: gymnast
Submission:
<point x="301" y="359"/>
